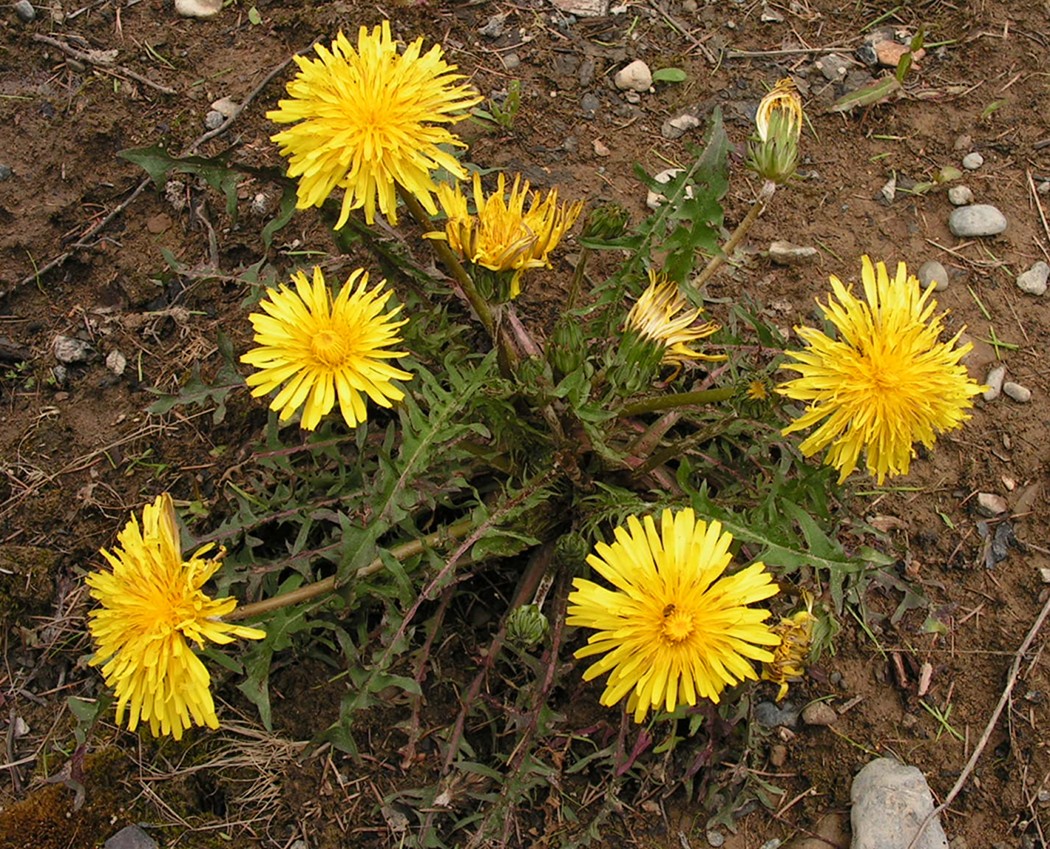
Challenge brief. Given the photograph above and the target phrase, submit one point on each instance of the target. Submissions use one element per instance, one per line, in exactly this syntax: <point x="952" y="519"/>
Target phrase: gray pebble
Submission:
<point x="590" y="103"/>
<point x="25" y="11"/>
<point x="1044" y="188"/>
<point x="116" y="362"/>
<point x="5" y="173"/>
<point x="785" y="253"/>
<point x="819" y="713"/>
<point x="972" y="161"/>
<point x="960" y="195"/>
<point x="890" y="802"/>
<point x="834" y="67"/>
<point x="213" y="120"/>
<point x="493" y="28"/>
<point x="994" y="382"/>
<point x="771" y="716"/>
<point x="131" y="837"/>
<point x="1034" y="280"/>
<point x="634" y="77"/>
<point x="935" y="273"/>
<point x="1021" y="394"/>
<point x="511" y="61"/>
<point x="979" y="219"/>
<point x="678" y="126"/>
<point x="588" y="68"/>
<point x="70" y="350"/>
<point x="715" y="838"/>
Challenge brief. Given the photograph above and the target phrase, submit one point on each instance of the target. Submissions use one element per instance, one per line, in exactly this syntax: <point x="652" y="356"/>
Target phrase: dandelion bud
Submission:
<point x="773" y="152"/>
<point x="606" y="222"/>
<point x="567" y="349"/>
<point x="527" y="626"/>
<point x="571" y="550"/>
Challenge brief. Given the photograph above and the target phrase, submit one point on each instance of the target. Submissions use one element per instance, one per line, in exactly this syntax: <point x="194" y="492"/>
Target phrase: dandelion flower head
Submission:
<point x="661" y="316"/>
<point x="673" y="628"/>
<point x="367" y="118"/>
<point x="789" y="658"/>
<point x="317" y="351"/>
<point x="152" y="610"/>
<point x="885" y="383"/>
<point x="782" y="105"/>
<point x="503" y="236"/>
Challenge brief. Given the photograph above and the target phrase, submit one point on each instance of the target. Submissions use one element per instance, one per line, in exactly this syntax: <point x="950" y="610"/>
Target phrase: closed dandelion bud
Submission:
<point x="527" y="626"/>
<point x="789" y="658"/>
<point x="534" y="376"/>
<point x="773" y="151"/>
<point x="606" y="222"/>
<point x="567" y="349"/>
<point x="637" y="363"/>
<point x="571" y="550"/>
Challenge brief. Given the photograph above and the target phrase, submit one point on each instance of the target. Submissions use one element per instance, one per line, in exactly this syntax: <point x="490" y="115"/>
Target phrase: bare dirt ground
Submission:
<point x="78" y="452"/>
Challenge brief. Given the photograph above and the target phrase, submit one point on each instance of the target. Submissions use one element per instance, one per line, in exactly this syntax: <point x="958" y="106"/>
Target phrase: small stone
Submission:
<point x="5" y="173"/>
<point x="972" y="161"/>
<point x="715" y="838"/>
<point x="1020" y="394"/>
<point x="634" y="77"/>
<point x="70" y="350"/>
<point x="25" y="11"/>
<point x="198" y="8"/>
<point x="1034" y="280"/>
<point x="159" y="223"/>
<point x="1044" y="188"/>
<point x="979" y="219"/>
<point x="493" y="28"/>
<point x="890" y="802"/>
<point x="778" y="755"/>
<point x="960" y="195"/>
<point x="889" y="189"/>
<point x="590" y="103"/>
<point x="989" y="504"/>
<point x="834" y="67"/>
<point x="226" y="106"/>
<point x="785" y="253"/>
<point x="214" y="119"/>
<point x="994" y="382"/>
<point x="770" y="15"/>
<point x="963" y="142"/>
<point x="769" y="715"/>
<point x="131" y="837"/>
<point x="653" y="200"/>
<point x="819" y="713"/>
<point x="116" y="362"/>
<point x="600" y="148"/>
<point x="890" y="53"/>
<point x="935" y="273"/>
<point x="678" y="126"/>
<point x="511" y="61"/>
<point x="584" y="8"/>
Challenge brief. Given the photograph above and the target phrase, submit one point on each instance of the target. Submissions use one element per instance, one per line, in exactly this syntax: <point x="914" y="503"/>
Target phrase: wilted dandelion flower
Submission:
<point x="774" y="153"/>
<point x="503" y="236"/>
<point x="318" y="351"/>
<point x="789" y="658"/>
<point x="661" y="316"/>
<point x="153" y="609"/>
<point x="364" y="121"/>
<point x="885" y="383"/>
<point x="673" y="629"/>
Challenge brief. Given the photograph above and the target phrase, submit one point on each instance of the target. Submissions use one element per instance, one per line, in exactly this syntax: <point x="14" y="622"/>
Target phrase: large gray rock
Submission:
<point x="890" y="802"/>
<point x="131" y="837"/>
<point x="978" y="219"/>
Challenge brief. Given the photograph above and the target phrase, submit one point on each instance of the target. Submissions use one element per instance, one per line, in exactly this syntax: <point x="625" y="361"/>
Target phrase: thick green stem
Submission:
<point x="679" y="399"/>
<point x="577" y="279"/>
<point x="327" y="585"/>
<point x="765" y="194"/>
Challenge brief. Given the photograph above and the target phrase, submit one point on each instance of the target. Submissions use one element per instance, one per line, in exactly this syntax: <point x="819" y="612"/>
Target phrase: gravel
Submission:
<point x="1034" y="280"/>
<point x="890" y="802"/>
<point x="972" y="161"/>
<point x="960" y="195"/>
<point x="634" y="77"/>
<point x="994" y="382"/>
<point x="935" y="273"/>
<point x="25" y="11"/>
<point x="1020" y="394"/>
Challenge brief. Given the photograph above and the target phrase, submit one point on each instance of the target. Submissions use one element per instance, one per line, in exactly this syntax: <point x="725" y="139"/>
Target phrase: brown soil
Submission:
<point x="76" y="456"/>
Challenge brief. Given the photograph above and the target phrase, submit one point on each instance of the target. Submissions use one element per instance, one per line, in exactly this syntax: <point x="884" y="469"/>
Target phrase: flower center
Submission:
<point x="677" y="625"/>
<point x="329" y="348"/>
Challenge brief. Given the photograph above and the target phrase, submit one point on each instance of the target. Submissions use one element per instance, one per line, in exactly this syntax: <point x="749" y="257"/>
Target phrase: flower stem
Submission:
<point x="326" y="585"/>
<point x="577" y="278"/>
<point x="765" y="194"/>
<point x="679" y="399"/>
<point x="480" y="305"/>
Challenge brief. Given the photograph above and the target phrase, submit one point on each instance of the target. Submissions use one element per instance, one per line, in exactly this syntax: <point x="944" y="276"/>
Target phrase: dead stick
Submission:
<point x="91" y="58"/>
<point x="1011" y="680"/>
<point x="1039" y="206"/>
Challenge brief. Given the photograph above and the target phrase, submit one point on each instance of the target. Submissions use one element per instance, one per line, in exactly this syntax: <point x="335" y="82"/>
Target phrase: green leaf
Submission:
<point x="878" y="91"/>
<point x="254" y="17"/>
<point x="285" y="211"/>
<point x="215" y="171"/>
<point x="669" y="75"/>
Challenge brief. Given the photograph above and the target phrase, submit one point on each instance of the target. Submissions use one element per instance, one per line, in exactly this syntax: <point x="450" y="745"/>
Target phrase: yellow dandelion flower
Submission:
<point x="885" y="383"/>
<point x="673" y="630"/>
<point x="364" y="121"/>
<point x="782" y="103"/>
<point x="789" y="658"/>
<point x="757" y="390"/>
<point x="660" y="315"/>
<point x="152" y="609"/>
<point x="318" y="351"/>
<point x="504" y="236"/>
